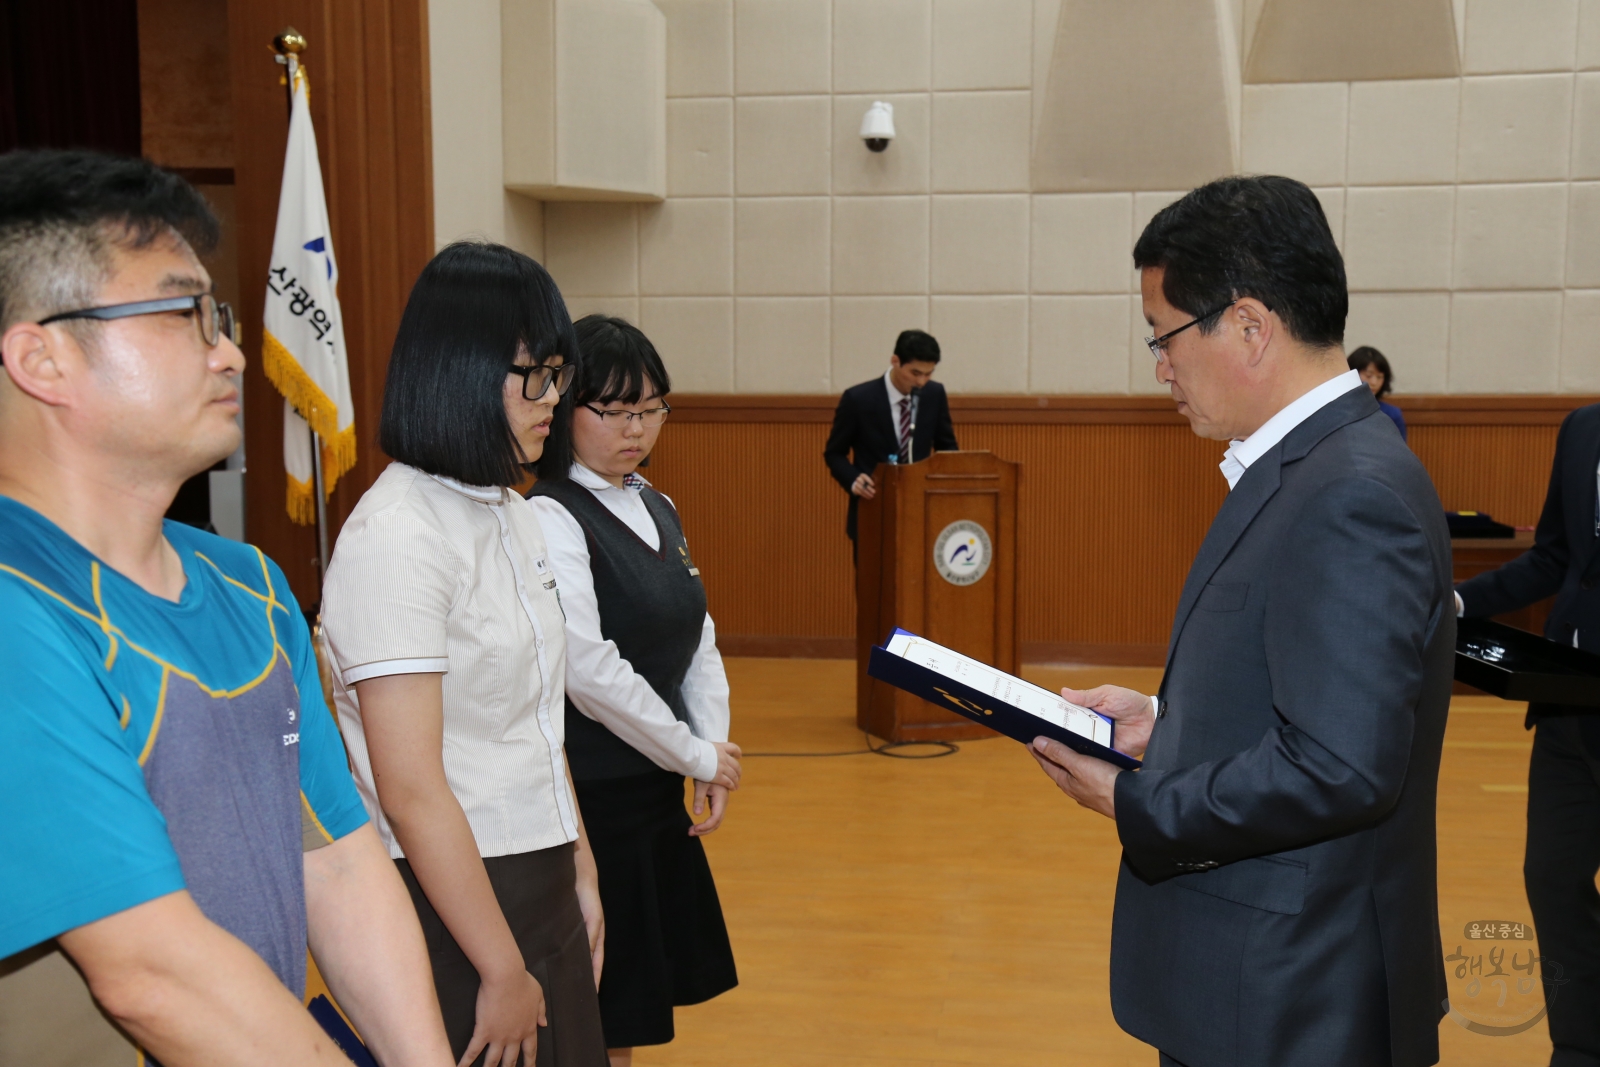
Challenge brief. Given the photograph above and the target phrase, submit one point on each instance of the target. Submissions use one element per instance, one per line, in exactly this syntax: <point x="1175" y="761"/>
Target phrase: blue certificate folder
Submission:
<point x="991" y="697"/>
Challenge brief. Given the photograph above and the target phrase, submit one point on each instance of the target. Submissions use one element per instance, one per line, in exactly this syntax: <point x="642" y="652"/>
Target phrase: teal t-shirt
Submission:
<point x="152" y="746"/>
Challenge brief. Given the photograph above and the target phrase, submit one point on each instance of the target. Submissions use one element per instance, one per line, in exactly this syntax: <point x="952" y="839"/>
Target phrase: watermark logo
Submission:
<point x="1487" y="998"/>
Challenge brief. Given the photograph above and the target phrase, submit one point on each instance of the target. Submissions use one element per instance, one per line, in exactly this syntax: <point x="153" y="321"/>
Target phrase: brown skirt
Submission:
<point x="536" y="892"/>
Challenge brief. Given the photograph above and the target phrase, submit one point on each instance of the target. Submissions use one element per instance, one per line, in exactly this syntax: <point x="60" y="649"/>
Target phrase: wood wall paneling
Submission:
<point x="369" y="102"/>
<point x="1115" y="495"/>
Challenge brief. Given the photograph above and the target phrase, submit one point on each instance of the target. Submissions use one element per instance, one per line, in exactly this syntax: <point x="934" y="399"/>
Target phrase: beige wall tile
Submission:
<point x="1515" y="36"/>
<point x="782" y="146"/>
<point x="864" y="332"/>
<point x="781" y="344"/>
<point x="1332" y="201"/>
<point x="979" y="244"/>
<point x="699" y="47"/>
<point x="1586" y="127"/>
<point x="982" y="44"/>
<point x="694" y="335"/>
<point x="1353" y="40"/>
<point x="700" y="147"/>
<point x="782" y="46"/>
<point x="592" y="249"/>
<point x="1082" y="243"/>
<point x="524" y="225"/>
<point x="1583" y="236"/>
<point x="900" y="168"/>
<point x="781" y="246"/>
<point x="980" y="142"/>
<point x="1403" y="132"/>
<point x="1411" y="329"/>
<point x="1588" y="34"/>
<point x="881" y="46"/>
<point x="624" y="307"/>
<point x="1079" y="344"/>
<point x="1505" y="342"/>
<point x="1510" y="236"/>
<point x="1515" y="128"/>
<point x="1399" y="238"/>
<point x="1580" y="342"/>
<point x="686" y="248"/>
<point x="880" y="244"/>
<point x="983" y="341"/>
<point x="1295" y="130"/>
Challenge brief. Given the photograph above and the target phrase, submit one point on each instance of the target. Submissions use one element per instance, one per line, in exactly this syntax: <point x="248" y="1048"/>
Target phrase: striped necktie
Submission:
<point x="905" y="429"/>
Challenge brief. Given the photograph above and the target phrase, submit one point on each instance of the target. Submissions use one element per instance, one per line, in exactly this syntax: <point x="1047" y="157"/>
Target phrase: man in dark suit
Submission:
<point x="1563" y="849"/>
<point x="1277" y="899"/>
<point x="899" y="418"/>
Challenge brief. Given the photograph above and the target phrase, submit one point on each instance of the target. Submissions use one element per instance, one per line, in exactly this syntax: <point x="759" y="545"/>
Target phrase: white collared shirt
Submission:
<point x="895" y="396"/>
<point x="602" y="684"/>
<point x="1241" y="454"/>
<point x="433" y="576"/>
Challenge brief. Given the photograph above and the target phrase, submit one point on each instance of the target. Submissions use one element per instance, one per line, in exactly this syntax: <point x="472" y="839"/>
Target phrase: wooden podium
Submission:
<point x="936" y="555"/>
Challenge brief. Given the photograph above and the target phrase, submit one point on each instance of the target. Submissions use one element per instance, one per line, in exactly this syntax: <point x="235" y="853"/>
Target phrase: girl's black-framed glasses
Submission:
<point x="536" y="379"/>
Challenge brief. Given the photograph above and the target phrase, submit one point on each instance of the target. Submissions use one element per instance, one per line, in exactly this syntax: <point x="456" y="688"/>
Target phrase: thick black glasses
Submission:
<point x="1157" y="345"/>
<point x="536" y="380"/>
<point x="215" y="319"/>
<point x="618" y="420"/>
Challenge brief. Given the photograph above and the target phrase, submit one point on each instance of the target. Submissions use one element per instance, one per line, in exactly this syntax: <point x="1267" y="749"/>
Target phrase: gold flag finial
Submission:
<point x="289" y="42"/>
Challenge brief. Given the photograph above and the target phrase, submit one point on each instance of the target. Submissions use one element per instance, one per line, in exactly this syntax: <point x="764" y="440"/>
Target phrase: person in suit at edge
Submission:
<point x="1276" y="902"/>
<point x="1563" y="847"/>
<point x="873" y="423"/>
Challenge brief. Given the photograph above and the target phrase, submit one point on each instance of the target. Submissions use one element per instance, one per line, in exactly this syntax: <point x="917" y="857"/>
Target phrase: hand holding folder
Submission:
<point x="988" y="695"/>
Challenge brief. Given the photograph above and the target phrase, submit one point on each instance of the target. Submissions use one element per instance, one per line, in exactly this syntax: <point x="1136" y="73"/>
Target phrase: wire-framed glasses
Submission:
<point x="536" y="379"/>
<point x="1158" y="345"/>
<point x="619" y="419"/>
<point x="214" y="318"/>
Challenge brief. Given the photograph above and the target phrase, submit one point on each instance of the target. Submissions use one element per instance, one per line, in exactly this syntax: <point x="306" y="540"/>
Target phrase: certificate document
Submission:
<point x="990" y="696"/>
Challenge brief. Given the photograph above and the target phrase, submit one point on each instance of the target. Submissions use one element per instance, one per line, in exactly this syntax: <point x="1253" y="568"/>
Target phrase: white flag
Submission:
<point x="303" y="343"/>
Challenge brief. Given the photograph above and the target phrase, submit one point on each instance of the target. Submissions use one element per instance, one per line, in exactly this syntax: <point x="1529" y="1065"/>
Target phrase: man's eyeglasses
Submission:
<point x="215" y="319"/>
<point x="619" y="420"/>
<point x="1158" y="345"/>
<point x="536" y="380"/>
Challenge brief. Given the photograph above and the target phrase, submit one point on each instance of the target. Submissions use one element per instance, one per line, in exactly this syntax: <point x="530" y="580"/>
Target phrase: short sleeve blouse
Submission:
<point x="430" y="575"/>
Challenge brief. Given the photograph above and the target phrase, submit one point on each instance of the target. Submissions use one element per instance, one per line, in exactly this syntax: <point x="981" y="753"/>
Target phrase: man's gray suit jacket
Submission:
<point x="1277" y="902"/>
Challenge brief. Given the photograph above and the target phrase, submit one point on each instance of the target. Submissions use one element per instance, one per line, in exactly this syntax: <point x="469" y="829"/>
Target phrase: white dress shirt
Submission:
<point x="602" y="684"/>
<point x="433" y="576"/>
<point x="1241" y="454"/>
<point x="895" y="396"/>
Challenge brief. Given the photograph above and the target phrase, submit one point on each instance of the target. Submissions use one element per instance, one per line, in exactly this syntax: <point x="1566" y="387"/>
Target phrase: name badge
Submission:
<point x="547" y="577"/>
<point x="683" y="554"/>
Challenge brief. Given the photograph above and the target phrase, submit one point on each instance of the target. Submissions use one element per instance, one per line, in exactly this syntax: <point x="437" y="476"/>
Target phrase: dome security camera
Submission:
<point x="877" y="126"/>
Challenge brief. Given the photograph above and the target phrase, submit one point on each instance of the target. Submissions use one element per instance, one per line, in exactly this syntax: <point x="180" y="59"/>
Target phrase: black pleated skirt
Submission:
<point x="666" y="942"/>
<point x="536" y="891"/>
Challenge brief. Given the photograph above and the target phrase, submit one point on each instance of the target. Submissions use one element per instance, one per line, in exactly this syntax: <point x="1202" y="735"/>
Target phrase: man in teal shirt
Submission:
<point x="179" y="815"/>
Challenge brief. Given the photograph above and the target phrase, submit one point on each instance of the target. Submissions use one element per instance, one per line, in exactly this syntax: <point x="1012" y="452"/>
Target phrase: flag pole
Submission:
<point x="289" y="44"/>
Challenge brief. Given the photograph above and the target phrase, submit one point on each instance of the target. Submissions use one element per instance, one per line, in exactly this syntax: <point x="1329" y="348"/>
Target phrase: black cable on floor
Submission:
<point x="889" y="749"/>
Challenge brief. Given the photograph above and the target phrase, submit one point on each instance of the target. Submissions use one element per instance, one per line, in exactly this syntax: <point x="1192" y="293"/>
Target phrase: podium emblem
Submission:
<point x="962" y="552"/>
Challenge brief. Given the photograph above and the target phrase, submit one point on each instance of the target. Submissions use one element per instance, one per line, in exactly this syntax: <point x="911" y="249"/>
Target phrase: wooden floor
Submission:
<point x="958" y="911"/>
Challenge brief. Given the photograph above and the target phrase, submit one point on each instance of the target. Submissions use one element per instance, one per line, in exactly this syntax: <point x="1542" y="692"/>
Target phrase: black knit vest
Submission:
<point x="652" y="604"/>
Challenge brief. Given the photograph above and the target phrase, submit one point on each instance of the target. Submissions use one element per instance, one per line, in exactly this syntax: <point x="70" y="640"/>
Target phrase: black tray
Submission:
<point x="1516" y="665"/>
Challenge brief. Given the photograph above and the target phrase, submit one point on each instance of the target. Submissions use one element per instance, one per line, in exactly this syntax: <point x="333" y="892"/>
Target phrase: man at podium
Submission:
<point x="898" y="418"/>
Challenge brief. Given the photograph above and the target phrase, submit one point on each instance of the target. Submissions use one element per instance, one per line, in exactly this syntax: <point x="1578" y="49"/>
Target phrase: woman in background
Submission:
<point x="447" y="650"/>
<point x="647" y="699"/>
<point x="1374" y="370"/>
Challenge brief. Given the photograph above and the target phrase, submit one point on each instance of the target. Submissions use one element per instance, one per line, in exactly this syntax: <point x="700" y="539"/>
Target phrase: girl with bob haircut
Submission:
<point x="647" y="699"/>
<point x="448" y="652"/>
<point x="1373" y="366"/>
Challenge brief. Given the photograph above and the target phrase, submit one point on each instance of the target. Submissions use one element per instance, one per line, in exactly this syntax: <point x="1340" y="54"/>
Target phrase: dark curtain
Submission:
<point x="70" y="76"/>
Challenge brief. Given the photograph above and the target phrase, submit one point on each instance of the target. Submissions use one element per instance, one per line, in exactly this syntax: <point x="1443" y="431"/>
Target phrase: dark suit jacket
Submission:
<point x="1277" y="901"/>
<point x="1565" y="559"/>
<point x="864" y="435"/>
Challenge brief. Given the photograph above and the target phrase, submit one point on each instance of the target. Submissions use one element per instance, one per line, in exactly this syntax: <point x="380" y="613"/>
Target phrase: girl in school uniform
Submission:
<point x="647" y="699"/>
<point x="446" y="638"/>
